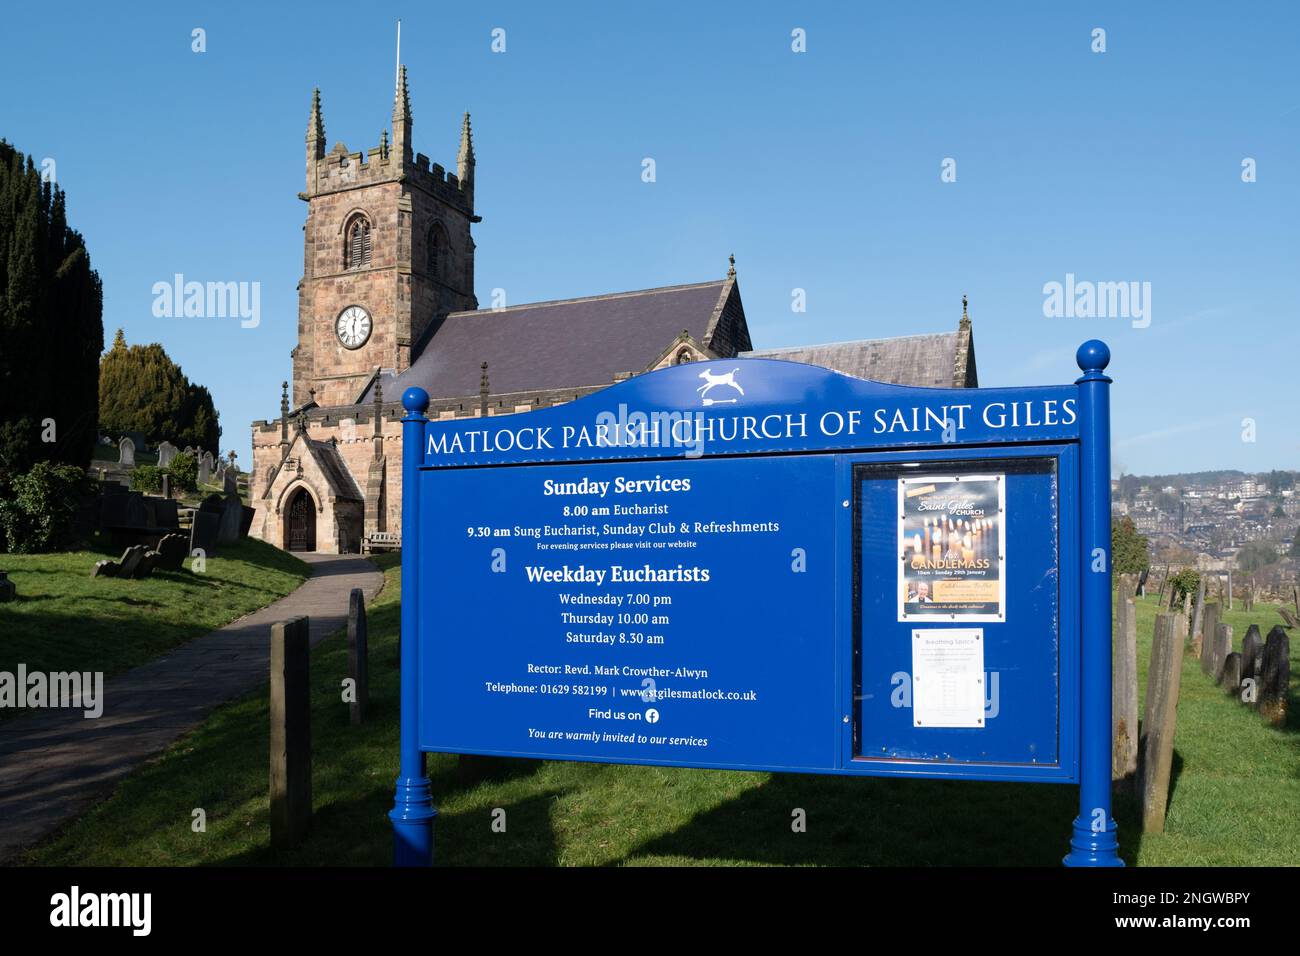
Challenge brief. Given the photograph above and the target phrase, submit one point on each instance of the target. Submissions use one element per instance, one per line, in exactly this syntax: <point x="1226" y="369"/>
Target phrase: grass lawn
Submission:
<point x="1236" y="781"/>
<point x="1235" y="792"/>
<point x="65" y="620"/>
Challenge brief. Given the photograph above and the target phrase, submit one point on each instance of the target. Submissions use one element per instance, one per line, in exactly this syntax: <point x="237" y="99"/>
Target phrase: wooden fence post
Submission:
<point x="290" y="732"/>
<point x="358" y="655"/>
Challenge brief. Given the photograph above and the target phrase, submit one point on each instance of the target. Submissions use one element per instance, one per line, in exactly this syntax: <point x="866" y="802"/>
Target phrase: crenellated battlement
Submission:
<point x="343" y="169"/>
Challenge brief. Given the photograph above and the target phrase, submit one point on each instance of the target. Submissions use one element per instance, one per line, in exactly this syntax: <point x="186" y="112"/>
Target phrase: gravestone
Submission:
<point x="358" y="655"/>
<point x="214" y="503"/>
<point x="1209" y="625"/>
<point x="7" y="590"/>
<point x="1198" y="613"/>
<point x="166" y="452"/>
<point x="165" y="514"/>
<point x="1159" y="720"/>
<point x="105" y="569"/>
<point x="1275" y="681"/>
<point x="112" y="510"/>
<point x="1232" y="674"/>
<point x="1222" y="648"/>
<point x="1252" y="653"/>
<point x="126" y="453"/>
<point x="246" y="520"/>
<point x="1124" y="691"/>
<point x="203" y="532"/>
<point x="166" y="486"/>
<point x="232" y="513"/>
<point x="148" y="561"/>
<point x="172" y="552"/>
<point x="131" y="560"/>
<point x="205" y="468"/>
<point x="290" y="732"/>
<point x="137" y="511"/>
<point x="230" y="481"/>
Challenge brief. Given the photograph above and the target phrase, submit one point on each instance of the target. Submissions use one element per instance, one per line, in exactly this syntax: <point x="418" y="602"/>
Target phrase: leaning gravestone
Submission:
<point x="232" y="513"/>
<point x="132" y="559"/>
<point x="172" y="551"/>
<point x="1252" y="653"/>
<point x="1275" y="682"/>
<point x="1232" y="673"/>
<point x="105" y="569"/>
<point x="246" y="521"/>
<point x="147" y="563"/>
<point x="205" y="468"/>
<point x="126" y="452"/>
<point x="166" y="452"/>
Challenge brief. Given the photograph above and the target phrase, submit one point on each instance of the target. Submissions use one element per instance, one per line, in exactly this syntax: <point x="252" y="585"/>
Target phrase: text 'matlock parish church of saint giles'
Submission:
<point x="387" y="301"/>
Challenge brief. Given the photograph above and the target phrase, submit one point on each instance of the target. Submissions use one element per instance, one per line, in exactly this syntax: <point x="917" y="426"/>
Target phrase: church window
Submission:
<point x="356" y="243"/>
<point x="683" y="357"/>
<point x="439" y="253"/>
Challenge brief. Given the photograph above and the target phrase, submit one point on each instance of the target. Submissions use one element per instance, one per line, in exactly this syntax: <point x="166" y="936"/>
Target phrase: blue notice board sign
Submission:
<point x="762" y="565"/>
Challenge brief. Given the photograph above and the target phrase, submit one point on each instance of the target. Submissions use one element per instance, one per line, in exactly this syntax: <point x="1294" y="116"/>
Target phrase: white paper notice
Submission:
<point x="948" y="677"/>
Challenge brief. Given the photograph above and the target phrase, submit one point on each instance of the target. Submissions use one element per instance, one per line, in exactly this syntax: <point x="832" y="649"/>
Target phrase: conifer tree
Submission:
<point x="142" y="390"/>
<point x="51" y="326"/>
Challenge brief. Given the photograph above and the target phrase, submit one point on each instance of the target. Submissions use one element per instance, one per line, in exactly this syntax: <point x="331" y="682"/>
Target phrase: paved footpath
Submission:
<point x="56" y="765"/>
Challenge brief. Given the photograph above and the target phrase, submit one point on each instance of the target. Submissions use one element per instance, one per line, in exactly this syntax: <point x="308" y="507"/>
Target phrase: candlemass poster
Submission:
<point x="952" y="547"/>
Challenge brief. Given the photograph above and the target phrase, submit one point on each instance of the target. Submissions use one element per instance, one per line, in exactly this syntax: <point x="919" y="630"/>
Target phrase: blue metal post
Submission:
<point x="413" y="810"/>
<point x="1095" y="841"/>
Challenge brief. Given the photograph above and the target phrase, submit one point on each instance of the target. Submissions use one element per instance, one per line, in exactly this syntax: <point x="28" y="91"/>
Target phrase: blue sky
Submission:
<point x="819" y="170"/>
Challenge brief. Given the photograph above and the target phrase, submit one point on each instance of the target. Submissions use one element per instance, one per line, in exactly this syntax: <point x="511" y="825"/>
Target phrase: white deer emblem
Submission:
<point x="712" y="381"/>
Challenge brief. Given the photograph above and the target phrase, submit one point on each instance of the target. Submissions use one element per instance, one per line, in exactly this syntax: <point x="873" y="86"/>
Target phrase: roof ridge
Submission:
<point x="590" y="298"/>
<point x="822" y="345"/>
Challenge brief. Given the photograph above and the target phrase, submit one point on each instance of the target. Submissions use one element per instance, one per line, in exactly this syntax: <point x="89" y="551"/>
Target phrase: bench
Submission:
<point x="381" y="541"/>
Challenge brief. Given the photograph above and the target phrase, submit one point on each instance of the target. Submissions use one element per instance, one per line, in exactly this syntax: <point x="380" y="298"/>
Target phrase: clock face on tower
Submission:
<point x="353" y="327"/>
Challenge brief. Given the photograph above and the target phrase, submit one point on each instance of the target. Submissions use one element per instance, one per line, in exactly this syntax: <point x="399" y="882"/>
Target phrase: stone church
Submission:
<point x="387" y="301"/>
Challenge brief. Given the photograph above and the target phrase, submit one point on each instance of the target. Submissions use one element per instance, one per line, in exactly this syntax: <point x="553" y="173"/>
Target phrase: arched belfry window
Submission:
<point x="356" y="243"/>
<point x="683" y="357"/>
<point x="439" y="252"/>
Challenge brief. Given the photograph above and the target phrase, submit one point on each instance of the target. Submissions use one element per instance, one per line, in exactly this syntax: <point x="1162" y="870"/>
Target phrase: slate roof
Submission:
<point x="569" y="343"/>
<point x="924" y="360"/>
<point x="336" y="473"/>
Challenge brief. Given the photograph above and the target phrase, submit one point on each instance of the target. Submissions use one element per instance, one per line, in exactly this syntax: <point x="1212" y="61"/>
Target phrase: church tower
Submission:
<point x="387" y="250"/>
